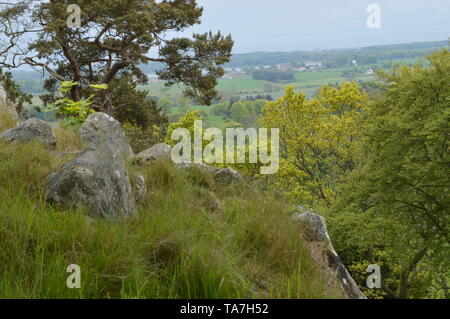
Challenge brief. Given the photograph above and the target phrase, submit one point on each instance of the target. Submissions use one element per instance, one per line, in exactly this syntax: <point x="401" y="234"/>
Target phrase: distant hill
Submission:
<point x="371" y="54"/>
<point x="384" y="52"/>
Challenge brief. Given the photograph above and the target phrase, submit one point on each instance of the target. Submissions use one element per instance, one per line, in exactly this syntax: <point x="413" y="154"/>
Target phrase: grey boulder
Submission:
<point x="324" y="254"/>
<point x="94" y="181"/>
<point x="155" y="152"/>
<point x="104" y="133"/>
<point x="31" y="130"/>
<point x="317" y="227"/>
<point x="97" y="178"/>
<point x="227" y="174"/>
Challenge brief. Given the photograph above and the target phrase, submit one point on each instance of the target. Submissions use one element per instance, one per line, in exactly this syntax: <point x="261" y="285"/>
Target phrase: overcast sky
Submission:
<point x="287" y="25"/>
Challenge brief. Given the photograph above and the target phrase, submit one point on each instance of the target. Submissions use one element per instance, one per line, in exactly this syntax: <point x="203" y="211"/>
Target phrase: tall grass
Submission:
<point x="68" y="138"/>
<point x="6" y="121"/>
<point x="179" y="244"/>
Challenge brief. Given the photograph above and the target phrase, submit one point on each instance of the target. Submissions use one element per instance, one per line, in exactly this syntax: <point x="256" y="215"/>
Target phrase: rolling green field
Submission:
<point x="239" y="85"/>
<point x="307" y="82"/>
<point x="249" y="86"/>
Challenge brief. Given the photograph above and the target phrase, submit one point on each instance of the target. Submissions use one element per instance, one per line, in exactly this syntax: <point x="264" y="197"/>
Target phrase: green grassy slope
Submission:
<point x="192" y="238"/>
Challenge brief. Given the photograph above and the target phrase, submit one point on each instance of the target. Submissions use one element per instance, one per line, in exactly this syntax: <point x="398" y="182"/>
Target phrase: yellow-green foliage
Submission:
<point x="249" y="169"/>
<point x="179" y="244"/>
<point x="187" y="122"/>
<point x="74" y="112"/>
<point x="318" y="139"/>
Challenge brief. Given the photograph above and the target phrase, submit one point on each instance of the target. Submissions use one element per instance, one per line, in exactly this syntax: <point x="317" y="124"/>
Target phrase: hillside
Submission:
<point x="380" y="52"/>
<point x="191" y="236"/>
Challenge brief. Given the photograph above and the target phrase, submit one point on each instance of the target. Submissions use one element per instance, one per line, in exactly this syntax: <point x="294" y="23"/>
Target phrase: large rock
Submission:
<point x="103" y="133"/>
<point x="201" y="166"/>
<point x="161" y="151"/>
<point x="98" y="178"/>
<point x="6" y="105"/>
<point x="155" y="152"/>
<point x="324" y="254"/>
<point x="318" y="231"/>
<point x="30" y="130"/>
<point x="226" y="174"/>
<point x="93" y="181"/>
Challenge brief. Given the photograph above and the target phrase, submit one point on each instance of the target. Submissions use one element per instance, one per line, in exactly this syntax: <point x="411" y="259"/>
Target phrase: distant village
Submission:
<point x="239" y="72"/>
<point x="233" y="73"/>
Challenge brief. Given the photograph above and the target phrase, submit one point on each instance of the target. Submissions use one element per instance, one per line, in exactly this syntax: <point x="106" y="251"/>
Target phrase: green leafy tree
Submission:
<point x="113" y="40"/>
<point x="238" y="110"/>
<point x="318" y="140"/>
<point x="403" y="180"/>
<point x="165" y="104"/>
<point x="222" y="109"/>
<point x="183" y="103"/>
<point x="135" y="107"/>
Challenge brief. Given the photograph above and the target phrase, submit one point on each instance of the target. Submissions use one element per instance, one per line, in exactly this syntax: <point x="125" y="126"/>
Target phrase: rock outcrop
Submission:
<point x="98" y="178"/>
<point x="227" y="174"/>
<point x="6" y="105"/>
<point x="201" y="166"/>
<point x="324" y="254"/>
<point x="103" y="133"/>
<point x="162" y="151"/>
<point x="155" y="152"/>
<point x="31" y="130"/>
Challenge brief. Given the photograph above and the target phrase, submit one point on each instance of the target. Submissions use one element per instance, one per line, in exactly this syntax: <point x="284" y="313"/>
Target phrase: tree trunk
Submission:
<point x="75" y="93"/>
<point x="106" y="102"/>
<point x="403" y="291"/>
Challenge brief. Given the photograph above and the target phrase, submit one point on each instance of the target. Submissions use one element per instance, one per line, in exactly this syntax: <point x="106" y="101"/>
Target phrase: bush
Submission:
<point x="141" y="139"/>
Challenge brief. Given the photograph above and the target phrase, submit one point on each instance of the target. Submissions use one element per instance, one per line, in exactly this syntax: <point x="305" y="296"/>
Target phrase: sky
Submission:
<point x="289" y="25"/>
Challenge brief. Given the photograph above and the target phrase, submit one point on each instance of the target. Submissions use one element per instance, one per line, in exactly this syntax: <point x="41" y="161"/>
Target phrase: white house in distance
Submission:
<point x="300" y="69"/>
<point x="313" y="65"/>
<point x="235" y="73"/>
<point x="283" y="66"/>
